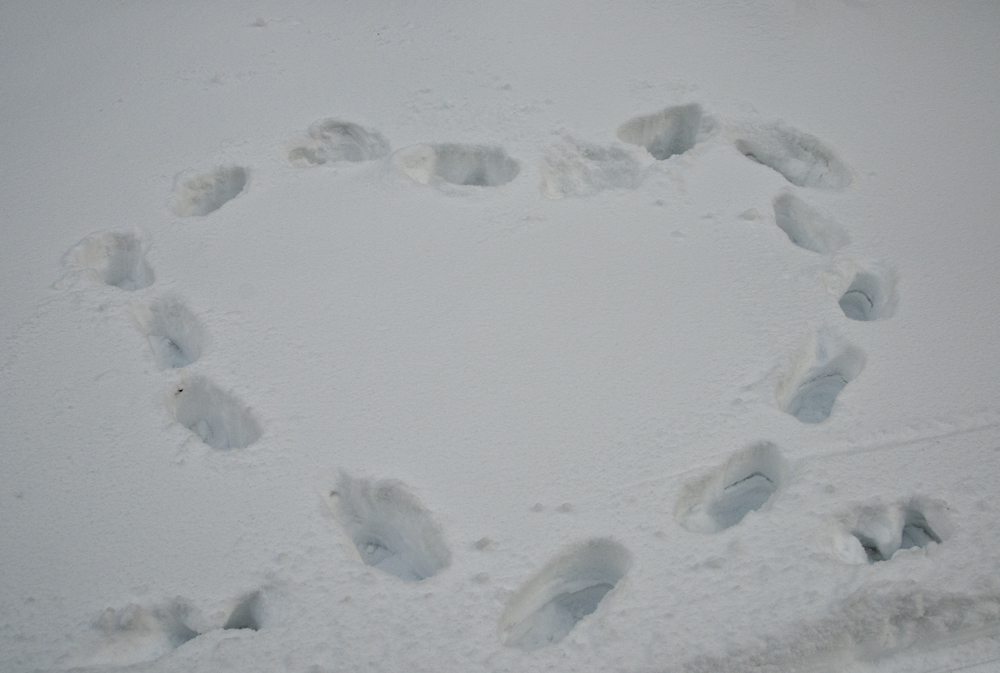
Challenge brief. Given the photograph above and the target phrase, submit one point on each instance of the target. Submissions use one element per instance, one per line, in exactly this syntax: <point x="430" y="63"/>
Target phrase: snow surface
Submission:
<point x="499" y="337"/>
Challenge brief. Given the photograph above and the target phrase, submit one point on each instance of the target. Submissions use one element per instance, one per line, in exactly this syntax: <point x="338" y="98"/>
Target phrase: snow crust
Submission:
<point x="454" y="337"/>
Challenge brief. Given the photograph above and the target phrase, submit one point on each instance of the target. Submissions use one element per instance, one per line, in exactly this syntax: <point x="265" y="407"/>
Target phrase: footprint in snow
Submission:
<point x="247" y="614"/>
<point x="871" y="294"/>
<point x="871" y="534"/>
<point x="218" y="418"/>
<point x="805" y="227"/>
<point x="205" y="193"/>
<point x="575" y="168"/>
<point x="332" y="140"/>
<point x="468" y="165"/>
<point x="389" y="527"/>
<point x="801" y="158"/>
<point x="116" y="258"/>
<point x="742" y="485"/>
<point x="174" y="333"/>
<point x="816" y="376"/>
<point x="567" y="589"/>
<point x="672" y="131"/>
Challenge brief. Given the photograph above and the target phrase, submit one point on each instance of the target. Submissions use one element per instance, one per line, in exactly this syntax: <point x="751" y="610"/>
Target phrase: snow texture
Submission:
<point x="116" y="258"/>
<point x="567" y="589"/>
<point x="390" y="528"/>
<point x="575" y="168"/>
<point x="466" y="165"/>
<point x="742" y="485"/>
<point x="666" y="133"/>
<point x="218" y="418"/>
<point x="874" y="533"/>
<point x="802" y="158"/>
<point x="175" y="334"/>
<point x="332" y="140"/>
<point x="205" y="193"/>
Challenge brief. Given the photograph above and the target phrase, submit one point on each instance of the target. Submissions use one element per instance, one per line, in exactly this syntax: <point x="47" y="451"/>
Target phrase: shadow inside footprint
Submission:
<point x="333" y="140"/>
<point x="218" y="418"/>
<point x="116" y="258"/>
<point x="467" y="165"/>
<point x="174" y="333"/>
<point x="567" y="589"/>
<point x="390" y="528"/>
<point x="666" y="133"/>
<point x="805" y="227"/>
<point x="246" y="614"/>
<point x="742" y="485"/>
<point x="206" y="193"/>
<point x="801" y="158"/>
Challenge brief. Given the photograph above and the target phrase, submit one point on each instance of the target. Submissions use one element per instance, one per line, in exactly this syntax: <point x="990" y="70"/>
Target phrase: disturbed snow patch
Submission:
<point x="742" y="485"/>
<point x="801" y="158"/>
<point x="390" y="528"/>
<point x="175" y="334"/>
<point x="116" y="258"/>
<point x="332" y="140"/>
<point x="666" y="133"/>
<point x="816" y="376"/>
<point x="135" y="634"/>
<point x="206" y="193"/>
<point x="218" y="418"/>
<point x="474" y="165"/>
<point x="869" y="534"/>
<point x="805" y="227"/>
<point x="576" y="168"/>
<point x="566" y="590"/>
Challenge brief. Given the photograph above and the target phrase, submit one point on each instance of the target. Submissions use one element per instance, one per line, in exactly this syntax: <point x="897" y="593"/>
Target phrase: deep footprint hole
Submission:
<point x="246" y="614"/>
<point x="805" y="227"/>
<point x="865" y="299"/>
<point x="566" y="590"/>
<point x="916" y="533"/>
<point x="666" y="133"/>
<point x="744" y="484"/>
<point x="817" y="389"/>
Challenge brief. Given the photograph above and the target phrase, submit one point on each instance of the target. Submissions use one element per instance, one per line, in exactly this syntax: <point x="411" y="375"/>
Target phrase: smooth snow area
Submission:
<point x="621" y="337"/>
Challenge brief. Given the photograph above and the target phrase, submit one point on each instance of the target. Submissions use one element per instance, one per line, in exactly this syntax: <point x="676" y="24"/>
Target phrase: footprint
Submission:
<point x="175" y="335"/>
<point x="805" y="227"/>
<point x="742" y="485"/>
<point x="871" y="295"/>
<point x="817" y="376"/>
<point x="475" y="165"/>
<point x="116" y="258"/>
<point x="390" y="528"/>
<point x="136" y="634"/>
<point x="331" y="140"/>
<point x="574" y="168"/>
<point x="801" y="158"/>
<point x="566" y="590"/>
<point x="206" y="193"/>
<point x="666" y="133"/>
<point x="246" y="614"/>
<point x="873" y="534"/>
<point x="218" y="418"/>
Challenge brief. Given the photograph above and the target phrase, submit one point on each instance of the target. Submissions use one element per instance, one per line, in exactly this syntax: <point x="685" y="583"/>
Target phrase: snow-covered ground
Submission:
<point x="446" y="336"/>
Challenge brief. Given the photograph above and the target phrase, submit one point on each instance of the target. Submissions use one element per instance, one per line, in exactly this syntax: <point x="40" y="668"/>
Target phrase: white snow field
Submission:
<point x="524" y="336"/>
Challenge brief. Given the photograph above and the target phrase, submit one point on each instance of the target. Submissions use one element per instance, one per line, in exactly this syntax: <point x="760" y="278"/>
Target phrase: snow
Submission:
<point x="464" y="337"/>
